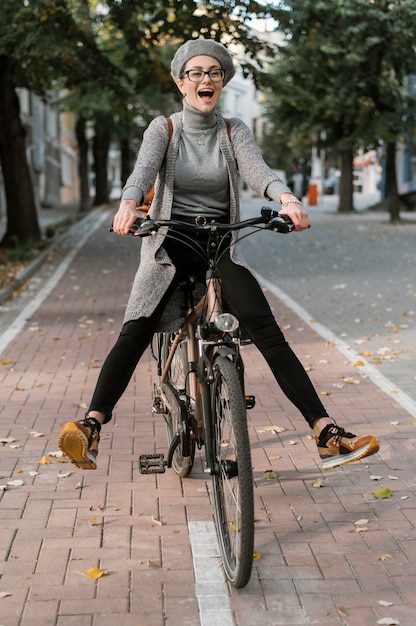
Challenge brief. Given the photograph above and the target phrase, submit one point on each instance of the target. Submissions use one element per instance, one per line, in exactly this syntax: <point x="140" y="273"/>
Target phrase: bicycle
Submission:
<point x="200" y="389"/>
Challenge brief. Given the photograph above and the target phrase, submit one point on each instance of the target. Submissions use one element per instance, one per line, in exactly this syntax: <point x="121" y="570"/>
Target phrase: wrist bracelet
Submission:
<point x="294" y="201"/>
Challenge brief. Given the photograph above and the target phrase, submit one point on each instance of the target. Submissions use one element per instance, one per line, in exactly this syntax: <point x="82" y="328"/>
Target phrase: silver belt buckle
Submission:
<point x="200" y="220"/>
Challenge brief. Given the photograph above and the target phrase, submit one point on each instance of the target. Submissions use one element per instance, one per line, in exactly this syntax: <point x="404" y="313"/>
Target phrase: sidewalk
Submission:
<point x="333" y="555"/>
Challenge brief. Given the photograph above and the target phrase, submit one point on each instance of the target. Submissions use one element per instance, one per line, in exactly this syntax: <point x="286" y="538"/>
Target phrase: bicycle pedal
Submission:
<point x="152" y="464"/>
<point x="250" y="402"/>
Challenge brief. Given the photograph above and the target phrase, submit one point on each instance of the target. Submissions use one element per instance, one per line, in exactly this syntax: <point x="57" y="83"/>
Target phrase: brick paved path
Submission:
<point x="320" y="562"/>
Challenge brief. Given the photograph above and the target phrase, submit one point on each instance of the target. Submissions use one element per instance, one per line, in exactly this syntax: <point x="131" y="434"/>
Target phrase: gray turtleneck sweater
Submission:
<point x="201" y="178"/>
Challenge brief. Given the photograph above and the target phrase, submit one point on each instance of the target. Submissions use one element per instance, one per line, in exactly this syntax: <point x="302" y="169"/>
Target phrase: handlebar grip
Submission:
<point x="142" y="227"/>
<point x="281" y="223"/>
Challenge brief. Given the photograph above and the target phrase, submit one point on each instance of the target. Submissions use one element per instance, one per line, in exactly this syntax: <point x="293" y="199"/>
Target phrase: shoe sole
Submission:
<point x="343" y="459"/>
<point x="74" y="444"/>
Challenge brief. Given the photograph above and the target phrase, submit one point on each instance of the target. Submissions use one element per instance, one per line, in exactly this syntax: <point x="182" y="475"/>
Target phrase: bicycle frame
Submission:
<point x="198" y="379"/>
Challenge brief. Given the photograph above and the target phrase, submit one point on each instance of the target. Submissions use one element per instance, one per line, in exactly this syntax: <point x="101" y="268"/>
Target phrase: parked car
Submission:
<point x="329" y="186"/>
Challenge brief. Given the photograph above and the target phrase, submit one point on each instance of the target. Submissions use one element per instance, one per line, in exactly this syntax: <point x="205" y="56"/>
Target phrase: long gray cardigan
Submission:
<point x="156" y="270"/>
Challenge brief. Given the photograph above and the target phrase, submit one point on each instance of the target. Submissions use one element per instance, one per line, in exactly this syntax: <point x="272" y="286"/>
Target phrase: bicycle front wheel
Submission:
<point x="233" y="478"/>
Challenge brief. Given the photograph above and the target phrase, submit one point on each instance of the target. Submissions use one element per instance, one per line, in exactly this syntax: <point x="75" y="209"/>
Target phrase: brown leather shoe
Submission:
<point x="79" y="442"/>
<point x="337" y="447"/>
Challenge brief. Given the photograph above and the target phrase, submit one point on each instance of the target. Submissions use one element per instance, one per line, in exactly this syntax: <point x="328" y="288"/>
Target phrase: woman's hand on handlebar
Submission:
<point x="125" y="217"/>
<point x="296" y="212"/>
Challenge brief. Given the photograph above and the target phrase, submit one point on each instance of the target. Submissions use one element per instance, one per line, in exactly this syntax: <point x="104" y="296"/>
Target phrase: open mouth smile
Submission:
<point x="206" y="94"/>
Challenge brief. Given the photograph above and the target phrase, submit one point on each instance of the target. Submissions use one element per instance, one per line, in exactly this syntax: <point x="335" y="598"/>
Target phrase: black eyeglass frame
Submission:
<point x="209" y="72"/>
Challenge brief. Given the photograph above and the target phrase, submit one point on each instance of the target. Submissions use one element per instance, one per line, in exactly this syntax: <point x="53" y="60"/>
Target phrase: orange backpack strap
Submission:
<point x="144" y="208"/>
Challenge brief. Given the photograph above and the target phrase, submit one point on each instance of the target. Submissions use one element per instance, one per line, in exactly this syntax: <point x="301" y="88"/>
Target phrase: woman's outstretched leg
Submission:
<point x="246" y="300"/>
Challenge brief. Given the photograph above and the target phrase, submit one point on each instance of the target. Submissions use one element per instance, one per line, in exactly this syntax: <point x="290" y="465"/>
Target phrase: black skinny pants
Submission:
<point x="242" y="296"/>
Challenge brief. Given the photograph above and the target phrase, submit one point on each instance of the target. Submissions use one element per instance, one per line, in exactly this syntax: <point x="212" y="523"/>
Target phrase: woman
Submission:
<point x="184" y="189"/>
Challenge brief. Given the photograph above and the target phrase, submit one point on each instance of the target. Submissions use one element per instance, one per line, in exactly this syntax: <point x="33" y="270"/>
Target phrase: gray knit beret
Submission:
<point x="208" y="47"/>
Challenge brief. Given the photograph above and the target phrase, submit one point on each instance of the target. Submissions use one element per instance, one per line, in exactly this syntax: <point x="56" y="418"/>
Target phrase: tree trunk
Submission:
<point x="126" y="165"/>
<point x="101" y="146"/>
<point x="393" y="200"/>
<point x="22" y="218"/>
<point x="84" y="180"/>
<point x="346" y="183"/>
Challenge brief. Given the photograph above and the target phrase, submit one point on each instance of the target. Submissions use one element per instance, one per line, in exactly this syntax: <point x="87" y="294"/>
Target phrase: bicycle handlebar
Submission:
<point x="272" y="220"/>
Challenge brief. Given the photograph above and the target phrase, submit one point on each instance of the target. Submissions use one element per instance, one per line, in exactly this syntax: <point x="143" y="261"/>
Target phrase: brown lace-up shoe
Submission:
<point x="79" y="442"/>
<point x="337" y="447"/>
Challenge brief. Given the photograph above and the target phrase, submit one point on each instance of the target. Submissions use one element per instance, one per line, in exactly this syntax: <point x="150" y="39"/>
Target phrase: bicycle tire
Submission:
<point x="177" y="423"/>
<point x="233" y="478"/>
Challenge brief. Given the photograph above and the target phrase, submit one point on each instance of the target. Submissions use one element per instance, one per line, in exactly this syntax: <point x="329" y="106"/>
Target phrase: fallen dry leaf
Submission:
<point x="385" y="603"/>
<point x="57" y="455"/>
<point x="7" y="440"/>
<point x="384" y="557"/>
<point x="256" y="556"/>
<point x="154" y="565"/>
<point x="44" y="461"/>
<point x="271" y="429"/>
<point x="95" y="572"/>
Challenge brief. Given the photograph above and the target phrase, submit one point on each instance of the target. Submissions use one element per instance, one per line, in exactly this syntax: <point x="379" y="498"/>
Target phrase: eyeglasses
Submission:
<point x="197" y="76"/>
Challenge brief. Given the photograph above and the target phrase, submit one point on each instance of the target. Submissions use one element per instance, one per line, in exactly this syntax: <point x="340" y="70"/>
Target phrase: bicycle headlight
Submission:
<point x="226" y="322"/>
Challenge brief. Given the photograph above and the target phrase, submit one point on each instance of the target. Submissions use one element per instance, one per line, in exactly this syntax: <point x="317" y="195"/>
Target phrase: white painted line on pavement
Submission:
<point x="210" y="585"/>
<point x="21" y="319"/>
<point x="373" y="374"/>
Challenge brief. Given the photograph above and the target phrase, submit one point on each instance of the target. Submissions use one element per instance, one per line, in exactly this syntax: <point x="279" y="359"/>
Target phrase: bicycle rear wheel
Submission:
<point x="177" y="420"/>
<point x="233" y="479"/>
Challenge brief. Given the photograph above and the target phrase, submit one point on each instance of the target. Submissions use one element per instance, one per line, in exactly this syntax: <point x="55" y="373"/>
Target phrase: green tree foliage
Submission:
<point x="42" y="48"/>
<point x="342" y="75"/>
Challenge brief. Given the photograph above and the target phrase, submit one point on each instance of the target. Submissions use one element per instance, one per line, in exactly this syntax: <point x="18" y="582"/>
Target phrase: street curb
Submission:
<point x="33" y="267"/>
